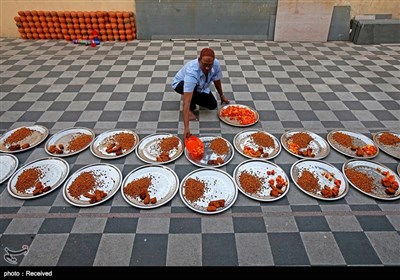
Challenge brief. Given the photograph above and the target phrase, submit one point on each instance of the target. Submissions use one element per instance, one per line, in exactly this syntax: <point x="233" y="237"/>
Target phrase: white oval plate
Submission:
<point x="54" y="173"/>
<point x="38" y="135"/>
<point x="148" y="149"/>
<point x="319" y="145"/>
<point x="358" y="140"/>
<point x="398" y="169"/>
<point x="370" y="168"/>
<point x="64" y="137"/>
<point x="219" y="185"/>
<point x="209" y="154"/>
<point x="317" y="167"/>
<point x="244" y="138"/>
<point x="259" y="168"/>
<point x="164" y="185"/>
<point x="110" y="176"/>
<point x="227" y="120"/>
<point x="100" y="143"/>
<point x="8" y="165"/>
<point x="393" y="150"/>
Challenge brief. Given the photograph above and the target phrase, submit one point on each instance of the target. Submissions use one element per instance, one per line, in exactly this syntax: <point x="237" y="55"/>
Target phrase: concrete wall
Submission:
<point x="9" y="9"/>
<point x="239" y="16"/>
<point x="226" y="19"/>
<point x="359" y="7"/>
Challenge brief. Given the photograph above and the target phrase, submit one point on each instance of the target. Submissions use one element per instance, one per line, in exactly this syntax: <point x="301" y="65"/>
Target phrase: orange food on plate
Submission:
<point x="243" y="115"/>
<point x="194" y="146"/>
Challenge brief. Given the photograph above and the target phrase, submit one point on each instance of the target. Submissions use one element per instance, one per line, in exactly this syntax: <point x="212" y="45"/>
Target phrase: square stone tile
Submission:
<point x="45" y="250"/>
<point x="109" y="252"/>
<point x="253" y="249"/>
<point x="184" y="250"/>
<point x="322" y="249"/>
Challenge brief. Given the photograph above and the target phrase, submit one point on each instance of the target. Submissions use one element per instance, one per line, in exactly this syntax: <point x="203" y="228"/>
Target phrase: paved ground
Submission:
<point x="317" y="86"/>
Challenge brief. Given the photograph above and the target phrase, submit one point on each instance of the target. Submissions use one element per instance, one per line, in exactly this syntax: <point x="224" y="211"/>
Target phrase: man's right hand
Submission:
<point x="186" y="133"/>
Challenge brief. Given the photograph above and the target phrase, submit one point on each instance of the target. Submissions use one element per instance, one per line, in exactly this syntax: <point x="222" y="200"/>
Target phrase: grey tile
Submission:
<point x="109" y="116"/>
<point x="14" y="242"/>
<point x="253" y="249"/>
<point x="70" y="116"/>
<point x="149" y="250"/>
<point x="249" y="225"/>
<point x="153" y="225"/>
<point x="57" y="225"/>
<point x="121" y="225"/>
<point x="21" y="106"/>
<point x="8" y="210"/>
<point x="282" y="105"/>
<point x="246" y="209"/>
<point x="355" y="244"/>
<point x="343" y="223"/>
<point x="305" y="208"/>
<point x="354" y="105"/>
<point x="389" y="104"/>
<point x="217" y="225"/>
<point x="282" y="247"/>
<point x="96" y="105"/>
<point x="15" y="96"/>
<point x="186" y="225"/>
<point x="345" y="115"/>
<point x="87" y="244"/>
<point x="29" y="116"/>
<point x="384" y="115"/>
<point x="4" y="224"/>
<point x="89" y="225"/>
<point x="184" y="250"/>
<point x="395" y="221"/>
<point x="24" y="226"/>
<point x="375" y="223"/>
<point x="149" y="116"/>
<point x="321" y="248"/>
<point x="45" y="250"/>
<point x="312" y="223"/>
<point x="110" y="252"/>
<point x="386" y="245"/>
<point x="369" y="207"/>
<point x="219" y="249"/>
<point x="318" y="106"/>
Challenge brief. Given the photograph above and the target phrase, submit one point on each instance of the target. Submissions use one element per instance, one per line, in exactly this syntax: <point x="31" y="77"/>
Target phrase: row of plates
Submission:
<point x="148" y="150"/>
<point x="219" y="184"/>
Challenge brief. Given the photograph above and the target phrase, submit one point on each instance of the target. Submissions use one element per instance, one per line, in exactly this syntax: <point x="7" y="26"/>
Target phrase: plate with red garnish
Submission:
<point x="114" y="143"/>
<point x="159" y="148"/>
<point x="217" y="152"/>
<point x="70" y="141"/>
<point x="261" y="180"/>
<point x="372" y="178"/>
<point x="319" y="179"/>
<point x="208" y="191"/>
<point x="305" y="144"/>
<point x="150" y="186"/>
<point x="23" y="138"/>
<point x="38" y="178"/>
<point x="352" y="144"/>
<point x="92" y="185"/>
<point x="254" y="143"/>
<point x="389" y="142"/>
<point x="238" y="115"/>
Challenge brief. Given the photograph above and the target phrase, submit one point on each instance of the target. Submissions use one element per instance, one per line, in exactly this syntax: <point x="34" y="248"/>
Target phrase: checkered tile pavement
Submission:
<point x="316" y="86"/>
